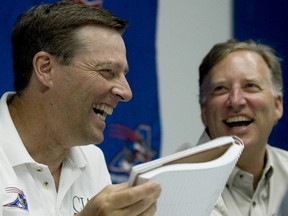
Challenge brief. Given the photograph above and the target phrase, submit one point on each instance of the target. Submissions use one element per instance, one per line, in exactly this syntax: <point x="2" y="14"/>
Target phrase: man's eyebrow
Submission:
<point x="111" y="64"/>
<point x="217" y="81"/>
<point x="251" y="79"/>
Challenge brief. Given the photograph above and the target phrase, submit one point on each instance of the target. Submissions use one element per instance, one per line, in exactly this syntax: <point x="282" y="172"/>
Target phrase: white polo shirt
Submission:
<point x="27" y="187"/>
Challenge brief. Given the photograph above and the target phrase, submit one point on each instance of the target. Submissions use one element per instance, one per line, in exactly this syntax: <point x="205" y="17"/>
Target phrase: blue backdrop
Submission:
<point x="267" y="21"/>
<point x="133" y="131"/>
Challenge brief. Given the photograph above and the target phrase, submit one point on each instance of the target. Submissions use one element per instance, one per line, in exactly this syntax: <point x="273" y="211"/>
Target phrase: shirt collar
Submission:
<point x="76" y="157"/>
<point x="11" y="142"/>
<point x="269" y="166"/>
<point x="266" y="175"/>
<point x="204" y="137"/>
<point x="268" y="169"/>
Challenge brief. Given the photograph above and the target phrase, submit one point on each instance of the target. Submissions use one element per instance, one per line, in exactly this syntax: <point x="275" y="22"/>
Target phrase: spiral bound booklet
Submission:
<point x="193" y="179"/>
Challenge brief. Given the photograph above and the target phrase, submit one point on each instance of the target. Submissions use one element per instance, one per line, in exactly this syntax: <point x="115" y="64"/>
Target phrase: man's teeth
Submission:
<point x="238" y="119"/>
<point x="102" y="110"/>
<point x="101" y="117"/>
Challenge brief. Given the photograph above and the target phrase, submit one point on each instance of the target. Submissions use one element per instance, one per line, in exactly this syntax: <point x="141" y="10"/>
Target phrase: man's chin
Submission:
<point x="94" y="141"/>
<point x="99" y="139"/>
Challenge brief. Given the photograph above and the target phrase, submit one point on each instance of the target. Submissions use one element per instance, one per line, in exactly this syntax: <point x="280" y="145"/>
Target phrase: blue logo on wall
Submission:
<point x="136" y="149"/>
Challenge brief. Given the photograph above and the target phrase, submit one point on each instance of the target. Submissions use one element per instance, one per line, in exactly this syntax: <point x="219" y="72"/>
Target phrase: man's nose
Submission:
<point x="236" y="98"/>
<point x="122" y="89"/>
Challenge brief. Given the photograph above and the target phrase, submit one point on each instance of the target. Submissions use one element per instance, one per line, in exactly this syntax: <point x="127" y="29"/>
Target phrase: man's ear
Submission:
<point x="43" y="64"/>
<point x="203" y="114"/>
<point x="278" y="107"/>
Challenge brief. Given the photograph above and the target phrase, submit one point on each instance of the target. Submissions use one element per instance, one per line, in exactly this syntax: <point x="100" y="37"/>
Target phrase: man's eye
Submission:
<point x="108" y="74"/>
<point x="219" y="90"/>
<point x="252" y="87"/>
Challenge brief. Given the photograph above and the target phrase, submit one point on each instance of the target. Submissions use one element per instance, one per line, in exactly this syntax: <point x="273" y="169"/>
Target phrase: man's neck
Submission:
<point x="253" y="164"/>
<point x="38" y="141"/>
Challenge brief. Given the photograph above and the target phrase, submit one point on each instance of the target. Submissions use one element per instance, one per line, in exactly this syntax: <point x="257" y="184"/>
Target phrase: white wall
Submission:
<point x="187" y="29"/>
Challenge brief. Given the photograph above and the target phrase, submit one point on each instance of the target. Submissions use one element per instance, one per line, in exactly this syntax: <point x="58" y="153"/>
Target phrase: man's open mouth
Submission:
<point x="238" y="121"/>
<point x="102" y="111"/>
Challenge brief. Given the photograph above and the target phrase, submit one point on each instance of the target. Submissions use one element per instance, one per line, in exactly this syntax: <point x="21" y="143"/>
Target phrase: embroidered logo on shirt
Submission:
<point x="20" y="199"/>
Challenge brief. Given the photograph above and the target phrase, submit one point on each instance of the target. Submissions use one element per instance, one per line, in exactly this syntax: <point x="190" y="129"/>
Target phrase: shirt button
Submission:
<point x="39" y="169"/>
<point x="254" y="203"/>
<point x="45" y="185"/>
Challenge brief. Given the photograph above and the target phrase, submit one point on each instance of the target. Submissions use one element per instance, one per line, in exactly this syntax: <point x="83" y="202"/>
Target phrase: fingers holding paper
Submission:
<point x="118" y="200"/>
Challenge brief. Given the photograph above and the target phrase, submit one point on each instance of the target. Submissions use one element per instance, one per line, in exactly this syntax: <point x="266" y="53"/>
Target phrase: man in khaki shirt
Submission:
<point x="241" y="94"/>
<point x="270" y="198"/>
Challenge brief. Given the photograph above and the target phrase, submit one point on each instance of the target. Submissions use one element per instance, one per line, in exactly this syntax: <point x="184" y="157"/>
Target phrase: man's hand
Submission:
<point x="118" y="200"/>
